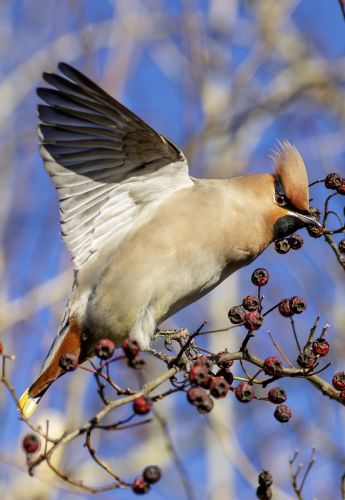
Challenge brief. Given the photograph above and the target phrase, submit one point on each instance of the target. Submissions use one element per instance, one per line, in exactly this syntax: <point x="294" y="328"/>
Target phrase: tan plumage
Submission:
<point x="146" y="239"/>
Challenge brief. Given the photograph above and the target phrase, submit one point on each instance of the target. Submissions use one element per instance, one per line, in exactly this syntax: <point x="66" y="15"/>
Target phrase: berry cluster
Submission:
<point x="284" y="245"/>
<point x="151" y="475"/>
<point x="289" y="307"/>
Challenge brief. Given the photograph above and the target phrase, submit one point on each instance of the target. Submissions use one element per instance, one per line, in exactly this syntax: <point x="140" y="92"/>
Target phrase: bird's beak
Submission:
<point x="308" y="220"/>
<point x="27" y="405"/>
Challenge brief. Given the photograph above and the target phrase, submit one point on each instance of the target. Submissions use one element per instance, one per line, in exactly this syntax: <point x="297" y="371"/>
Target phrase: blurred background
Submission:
<point x="224" y="80"/>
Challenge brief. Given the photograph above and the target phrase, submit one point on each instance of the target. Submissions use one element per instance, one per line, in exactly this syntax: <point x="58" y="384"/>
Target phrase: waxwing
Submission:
<point x="146" y="238"/>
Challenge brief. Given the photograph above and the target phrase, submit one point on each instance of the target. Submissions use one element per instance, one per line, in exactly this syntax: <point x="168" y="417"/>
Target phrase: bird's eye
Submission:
<point x="281" y="199"/>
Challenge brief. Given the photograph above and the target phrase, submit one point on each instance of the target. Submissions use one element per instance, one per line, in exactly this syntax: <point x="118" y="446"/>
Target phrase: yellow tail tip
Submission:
<point x="27" y="405"/>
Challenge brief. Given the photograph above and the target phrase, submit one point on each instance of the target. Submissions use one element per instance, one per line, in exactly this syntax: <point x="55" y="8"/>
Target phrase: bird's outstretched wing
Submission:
<point x="109" y="167"/>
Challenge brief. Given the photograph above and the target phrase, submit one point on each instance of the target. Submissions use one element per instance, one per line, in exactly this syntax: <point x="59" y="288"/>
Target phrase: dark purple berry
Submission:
<point x="285" y="309"/>
<point x="253" y="320"/>
<point x="315" y="231"/>
<point x="320" y="347"/>
<point x="338" y="381"/>
<point x="263" y="493"/>
<point x="140" y="486"/>
<point x="219" y="387"/>
<point x="295" y="241"/>
<point x="277" y="395"/>
<point x="104" y="349"/>
<point x="260" y="277"/>
<point x="152" y="474"/>
<point x="236" y="315"/>
<point x="282" y="246"/>
<point x="68" y="362"/>
<point x="31" y="443"/>
<point x="341" y="188"/>
<point x="282" y="413"/>
<point x="298" y="305"/>
<point x="244" y="392"/>
<point x="250" y="303"/>
<point x="227" y="374"/>
<point x="142" y="405"/>
<point x="341" y="246"/>
<point x="333" y="181"/>
<point x="265" y="479"/>
<point x="273" y="366"/>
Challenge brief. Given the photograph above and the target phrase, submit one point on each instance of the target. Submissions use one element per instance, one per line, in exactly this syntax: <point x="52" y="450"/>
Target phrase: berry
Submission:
<point x="152" y="474"/>
<point x="341" y="246"/>
<point x="203" y="361"/>
<point x="68" y="362"/>
<point x="104" y="349"/>
<point x="1" y="347"/>
<point x="206" y="405"/>
<point x="236" y="314"/>
<point x="298" y="304"/>
<point x="282" y="413"/>
<point x="263" y="493"/>
<point x="244" y="392"/>
<point x="342" y="396"/>
<point x="338" y="381"/>
<point x="250" y="303"/>
<point x="277" y="396"/>
<point x="285" y="309"/>
<point x="219" y="387"/>
<point x="295" y="241"/>
<point x="253" y="320"/>
<point x="226" y="373"/>
<point x="260" y="277"/>
<point x="140" y="486"/>
<point x="315" y="231"/>
<point x="341" y="188"/>
<point x="265" y="479"/>
<point x="273" y="366"/>
<point x="31" y="443"/>
<point x="131" y="348"/>
<point x="333" y="181"/>
<point x="142" y="405"/>
<point x="315" y="212"/>
<point x="200" y="375"/>
<point x="306" y="360"/>
<point x="222" y="363"/>
<point x="282" y="245"/>
<point x="199" y="398"/>
<point x="320" y="347"/>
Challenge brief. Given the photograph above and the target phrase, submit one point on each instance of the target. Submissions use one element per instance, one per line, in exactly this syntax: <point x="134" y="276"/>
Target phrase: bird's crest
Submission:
<point x="290" y="167"/>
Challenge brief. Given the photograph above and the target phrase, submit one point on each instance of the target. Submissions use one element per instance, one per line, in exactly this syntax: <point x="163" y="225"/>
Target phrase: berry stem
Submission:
<point x="295" y="334"/>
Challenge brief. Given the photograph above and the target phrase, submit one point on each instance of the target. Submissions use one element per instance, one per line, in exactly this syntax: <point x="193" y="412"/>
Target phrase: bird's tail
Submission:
<point x="67" y="341"/>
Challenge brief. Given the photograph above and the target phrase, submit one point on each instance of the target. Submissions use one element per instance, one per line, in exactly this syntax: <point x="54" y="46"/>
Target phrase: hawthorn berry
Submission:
<point x="104" y="349"/>
<point x="260" y="277"/>
<point x="140" y="486"/>
<point x="282" y="413"/>
<point x="277" y="395"/>
<point x="236" y="315"/>
<point x="265" y="479"/>
<point x="295" y="241"/>
<point x="306" y="360"/>
<point x="263" y="493"/>
<point x="315" y="231"/>
<point x="199" y="375"/>
<point x="250" y="303"/>
<point x="298" y="304"/>
<point x="282" y="246"/>
<point x="333" y="181"/>
<point x="341" y="188"/>
<point x="227" y="374"/>
<point x="203" y="361"/>
<point x="224" y="363"/>
<point x="31" y="443"/>
<point x="315" y="212"/>
<point x="338" y="381"/>
<point x="253" y="320"/>
<point x="219" y="387"/>
<point x="273" y="366"/>
<point x="244" y="392"/>
<point x="342" y="396"/>
<point x="68" y="362"/>
<point x="142" y="405"/>
<point x="130" y="348"/>
<point x="341" y="246"/>
<point x="285" y="308"/>
<point x="320" y="347"/>
<point x="199" y="398"/>
<point x="152" y="474"/>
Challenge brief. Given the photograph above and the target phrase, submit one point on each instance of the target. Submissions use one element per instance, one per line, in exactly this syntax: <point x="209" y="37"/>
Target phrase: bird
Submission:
<point x="146" y="238"/>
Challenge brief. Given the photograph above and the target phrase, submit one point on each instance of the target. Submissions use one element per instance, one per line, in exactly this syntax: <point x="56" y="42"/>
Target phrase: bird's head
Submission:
<point x="290" y="210"/>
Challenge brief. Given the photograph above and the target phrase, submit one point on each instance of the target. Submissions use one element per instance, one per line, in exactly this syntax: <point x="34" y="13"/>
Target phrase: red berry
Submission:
<point x="306" y="360"/>
<point x="219" y="387"/>
<point x="273" y="366"/>
<point x="250" y="303"/>
<point x="224" y="363"/>
<point x="260" y="277"/>
<point x="265" y="479"/>
<point x="244" y="392"/>
<point x="68" y="362"/>
<point x="285" y="308"/>
<point x="236" y="314"/>
<point x="203" y="361"/>
<point x="341" y="188"/>
<point x="342" y="396"/>
<point x="152" y="474"/>
<point x="1" y="347"/>
<point x="131" y="348"/>
<point x="333" y="181"/>
<point x="282" y="413"/>
<point x="31" y="443"/>
<point x="253" y="320"/>
<point x="295" y="241"/>
<point x="341" y="246"/>
<point x="226" y="373"/>
<point x="338" y="381"/>
<point x="282" y="246"/>
<point x="200" y="375"/>
<point x="320" y="347"/>
<point x="277" y="395"/>
<point x="199" y="398"/>
<point x="140" y="486"/>
<point x="298" y="304"/>
<point x="142" y="405"/>
<point x="104" y="349"/>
